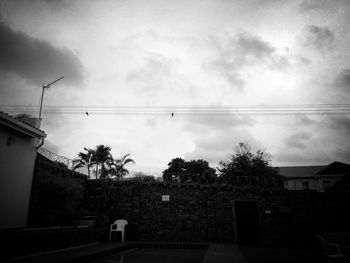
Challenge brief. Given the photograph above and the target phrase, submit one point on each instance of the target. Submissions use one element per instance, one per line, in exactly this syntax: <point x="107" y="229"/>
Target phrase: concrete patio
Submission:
<point x="215" y="253"/>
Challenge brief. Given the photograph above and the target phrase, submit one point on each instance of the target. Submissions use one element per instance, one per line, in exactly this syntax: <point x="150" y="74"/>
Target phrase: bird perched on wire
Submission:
<point x="87" y="113"/>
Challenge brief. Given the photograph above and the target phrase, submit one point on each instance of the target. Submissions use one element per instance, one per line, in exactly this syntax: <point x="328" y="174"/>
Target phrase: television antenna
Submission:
<point x="42" y="94"/>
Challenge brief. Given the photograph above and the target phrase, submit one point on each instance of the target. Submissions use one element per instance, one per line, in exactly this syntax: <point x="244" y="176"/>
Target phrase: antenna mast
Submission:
<point x="42" y="94"/>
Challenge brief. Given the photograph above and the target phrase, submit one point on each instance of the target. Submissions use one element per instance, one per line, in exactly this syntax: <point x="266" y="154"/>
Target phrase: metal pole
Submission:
<point x="41" y="102"/>
<point x="42" y="94"/>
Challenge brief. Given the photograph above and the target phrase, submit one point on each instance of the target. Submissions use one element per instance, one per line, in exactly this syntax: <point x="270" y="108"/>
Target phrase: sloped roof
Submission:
<point x="21" y="126"/>
<point x="335" y="168"/>
<point x="343" y="186"/>
<point x="300" y="171"/>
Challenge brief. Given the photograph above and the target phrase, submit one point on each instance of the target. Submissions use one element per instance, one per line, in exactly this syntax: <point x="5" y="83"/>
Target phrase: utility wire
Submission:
<point x="210" y="110"/>
<point x="186" y="106"/>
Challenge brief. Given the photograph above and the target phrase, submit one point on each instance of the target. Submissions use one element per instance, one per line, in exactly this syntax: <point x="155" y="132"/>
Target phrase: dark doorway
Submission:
<point x="247" y="223"/>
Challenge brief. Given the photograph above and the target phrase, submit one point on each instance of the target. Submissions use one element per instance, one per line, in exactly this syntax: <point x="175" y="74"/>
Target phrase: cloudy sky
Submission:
<point x="152" y="58"/>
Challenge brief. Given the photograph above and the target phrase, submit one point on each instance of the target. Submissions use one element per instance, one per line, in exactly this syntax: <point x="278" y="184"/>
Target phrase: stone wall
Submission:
<point x="56" y="194"/>
<point x="194" y="213"/>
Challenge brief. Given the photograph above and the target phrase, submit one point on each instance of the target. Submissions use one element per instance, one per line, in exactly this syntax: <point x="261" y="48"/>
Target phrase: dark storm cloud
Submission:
<point x="208" y="123"/>
<point x="342" y="154"/>
<point x="54" y="2"/>
<point x="241" y="51"/>
<point x="343" y="81"/>
<point x="215" y="136"/>
<point x="321" y="38"/>
<point x="228" y="70"/>
<point x="326" y="6"/>
<point x="312" y="5"/>
<point x="154" y="63"/>
<point x="36" y="60"/>
<point x="252" y="46"/>
<point x="305" y="60"/>
<point x="300" y="157"/>
<point x="337" y="124"/>
<point x="304" y="120"/>
<point x="153" y="74"/>
<point x="298" y="140"/>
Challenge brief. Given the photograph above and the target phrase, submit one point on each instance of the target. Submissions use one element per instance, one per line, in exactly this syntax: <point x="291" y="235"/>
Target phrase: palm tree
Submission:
<point x="85" y="160"/>
<point x="102" y="157"/>
<point x="118" y="166"/>
<point x="99" y="158"/>
<point x="102" y="160"/>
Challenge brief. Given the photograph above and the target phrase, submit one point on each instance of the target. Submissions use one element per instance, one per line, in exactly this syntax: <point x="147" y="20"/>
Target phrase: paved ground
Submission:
<point x="279" y="255"/>
<point x="77" y="254"/>
<point x="151" y="255"/>
<point x="221" y="253"/>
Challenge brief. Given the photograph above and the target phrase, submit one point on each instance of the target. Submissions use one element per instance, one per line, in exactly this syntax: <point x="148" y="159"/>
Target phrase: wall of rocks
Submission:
<point x="194" y="213"/>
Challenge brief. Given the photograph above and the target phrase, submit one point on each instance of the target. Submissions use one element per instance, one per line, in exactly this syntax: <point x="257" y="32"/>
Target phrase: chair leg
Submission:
<point x="122" y="236"/>
<point x="110" y="236"/>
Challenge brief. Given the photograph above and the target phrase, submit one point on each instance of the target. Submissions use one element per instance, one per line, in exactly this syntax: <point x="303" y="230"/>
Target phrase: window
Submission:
<point x="327" y="184"/>
<point x="305" y="185"/>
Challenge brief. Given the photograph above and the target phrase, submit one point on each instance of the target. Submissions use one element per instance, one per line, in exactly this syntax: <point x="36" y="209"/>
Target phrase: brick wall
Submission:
<point x="56" y="194"/>
<point x="194" y="213"/>
<point x="200" y="213"/>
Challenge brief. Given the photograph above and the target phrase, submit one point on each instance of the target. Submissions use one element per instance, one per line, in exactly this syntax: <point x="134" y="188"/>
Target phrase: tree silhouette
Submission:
<point x="102" y="157"/>
<point x="195" y="171"/>
<point x="117" y="166"/>
<point x="85" y="160"/>
<point x="243" y="164"/>
<point x="97" y="159"/>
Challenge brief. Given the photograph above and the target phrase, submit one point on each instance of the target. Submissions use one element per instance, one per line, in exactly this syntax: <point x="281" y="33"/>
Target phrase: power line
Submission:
<point x="187" y="106"/>
<point x="210" y="110"/>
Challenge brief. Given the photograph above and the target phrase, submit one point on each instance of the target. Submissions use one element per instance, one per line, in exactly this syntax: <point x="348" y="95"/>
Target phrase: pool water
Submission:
<point x="146" y="255"/>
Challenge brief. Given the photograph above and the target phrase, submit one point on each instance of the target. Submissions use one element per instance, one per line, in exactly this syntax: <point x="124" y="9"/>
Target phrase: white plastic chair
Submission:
<point x="332" y="251"/>
<point x="118" y="225"/>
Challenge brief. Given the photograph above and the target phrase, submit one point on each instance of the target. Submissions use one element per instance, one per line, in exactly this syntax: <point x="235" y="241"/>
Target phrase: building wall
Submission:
<point x="17" y="159"/>
<point x="56" y="194"/>
<point x="327" y="181"/>
<point x="297" y="184"/>
<point x="320" y="184"/>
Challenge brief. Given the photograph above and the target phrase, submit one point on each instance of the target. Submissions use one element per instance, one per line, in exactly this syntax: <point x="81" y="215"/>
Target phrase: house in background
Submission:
<point x="19" y="140"/>
<point x="318" y="178"/>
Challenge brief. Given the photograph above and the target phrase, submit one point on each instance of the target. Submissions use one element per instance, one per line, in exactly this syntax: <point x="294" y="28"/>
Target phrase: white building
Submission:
<point x="19" y="140"/>
<point x="319" y="178"/>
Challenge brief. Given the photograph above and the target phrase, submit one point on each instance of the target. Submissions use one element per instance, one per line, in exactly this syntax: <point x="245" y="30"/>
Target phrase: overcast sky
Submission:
<point x="175" y="54"/>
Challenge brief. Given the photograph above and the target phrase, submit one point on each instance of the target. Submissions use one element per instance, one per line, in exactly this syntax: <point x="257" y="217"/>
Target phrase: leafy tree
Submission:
<point x="102" y="157"/>
<point x="245" y="164"/>
<point x="199" y="171"/>
<point x="117" y="166"/>
<point x="176" y="171"/>
<point x="97" y="159"/>
<point x="85" y="160"/>
<point x="195" y="171"/>
<point x="101" y="161"/>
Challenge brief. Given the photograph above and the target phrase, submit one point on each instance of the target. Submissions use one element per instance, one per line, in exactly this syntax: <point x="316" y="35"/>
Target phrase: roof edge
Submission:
<point x="21" y="126"/>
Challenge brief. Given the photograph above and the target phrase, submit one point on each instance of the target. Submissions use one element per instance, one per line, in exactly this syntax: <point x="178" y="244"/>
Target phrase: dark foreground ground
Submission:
<point x="111" y="252"/>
